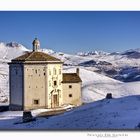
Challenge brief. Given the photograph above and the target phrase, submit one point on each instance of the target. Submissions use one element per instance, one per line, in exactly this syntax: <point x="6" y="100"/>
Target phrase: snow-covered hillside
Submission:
<point x="10" y="50"/>
<point x="121" y="113"/>
<point x="95" y="86"/>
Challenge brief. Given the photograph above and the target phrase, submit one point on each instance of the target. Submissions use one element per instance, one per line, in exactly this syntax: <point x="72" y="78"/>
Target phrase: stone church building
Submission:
<point x="37" y="81"/>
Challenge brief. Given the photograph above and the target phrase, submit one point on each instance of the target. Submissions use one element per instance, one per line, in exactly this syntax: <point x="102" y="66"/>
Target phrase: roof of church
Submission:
<point x="71" y="78"/>
<point x="36" y="56"/>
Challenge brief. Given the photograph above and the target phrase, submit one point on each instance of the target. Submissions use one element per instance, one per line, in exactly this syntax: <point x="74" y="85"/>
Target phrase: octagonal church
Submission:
<point x="37" y="81"/>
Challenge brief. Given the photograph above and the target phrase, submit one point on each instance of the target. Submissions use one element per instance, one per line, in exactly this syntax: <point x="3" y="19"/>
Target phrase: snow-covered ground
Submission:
<point x="120" y="113"/>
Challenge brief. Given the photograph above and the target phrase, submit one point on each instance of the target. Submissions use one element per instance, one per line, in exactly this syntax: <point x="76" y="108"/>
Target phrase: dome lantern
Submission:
<point x="36" y="44"/>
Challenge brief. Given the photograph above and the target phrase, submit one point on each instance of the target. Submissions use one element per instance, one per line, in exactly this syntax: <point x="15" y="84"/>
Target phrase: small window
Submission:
<point x="70" y="86"/>
<point x="70" y="95"/>
<point x="36" y="102"/>
<point x="55" y="83"/>
<point x="36" y="71"/>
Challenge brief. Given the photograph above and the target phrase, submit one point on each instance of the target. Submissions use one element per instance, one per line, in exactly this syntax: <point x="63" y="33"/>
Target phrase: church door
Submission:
<point x="55" y="101"/>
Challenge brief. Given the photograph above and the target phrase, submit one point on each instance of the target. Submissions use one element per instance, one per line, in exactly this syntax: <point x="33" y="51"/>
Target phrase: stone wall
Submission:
<point x="72" y="93"/>
<point x="16" y="84"/>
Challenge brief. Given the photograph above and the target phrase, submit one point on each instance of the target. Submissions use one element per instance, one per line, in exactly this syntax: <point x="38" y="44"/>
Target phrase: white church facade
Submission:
<point x="36" y="81"/>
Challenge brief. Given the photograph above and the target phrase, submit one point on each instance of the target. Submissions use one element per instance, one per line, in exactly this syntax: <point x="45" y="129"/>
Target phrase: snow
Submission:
<point x="11" y="50"/>
<point x="116" y="58"/>
<point x="120" y="113"/>
<point x="95" y="86"/>
<point x="38" y="111"/>
<point x="48" y="51"/>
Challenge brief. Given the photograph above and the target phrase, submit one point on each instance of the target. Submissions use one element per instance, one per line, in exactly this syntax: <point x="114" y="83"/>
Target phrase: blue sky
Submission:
<point x="72" y="32"/>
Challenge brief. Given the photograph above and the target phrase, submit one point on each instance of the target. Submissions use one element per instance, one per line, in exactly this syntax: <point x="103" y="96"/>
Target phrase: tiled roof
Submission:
<point x="71" y="78"/>
<point x="35" y="56"/>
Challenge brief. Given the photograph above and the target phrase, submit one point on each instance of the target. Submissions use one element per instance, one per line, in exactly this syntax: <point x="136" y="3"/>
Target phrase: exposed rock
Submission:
<point x="27" y="116"/>
<point x="109" y="96"/>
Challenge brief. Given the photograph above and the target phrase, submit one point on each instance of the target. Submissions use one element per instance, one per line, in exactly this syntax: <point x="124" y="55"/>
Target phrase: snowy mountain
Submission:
<point x="11" y="50"/>
<point x="132" y="53"/>
<point x="115" y="64"/>
<point x="92" y="53"/>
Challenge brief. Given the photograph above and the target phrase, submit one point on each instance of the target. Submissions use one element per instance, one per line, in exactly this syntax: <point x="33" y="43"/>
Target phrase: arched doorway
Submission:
<point x="55" y="98"/>
<point x="55" y="101"/>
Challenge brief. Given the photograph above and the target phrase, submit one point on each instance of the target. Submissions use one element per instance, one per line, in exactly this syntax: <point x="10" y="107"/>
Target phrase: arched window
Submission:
<point x="55" y="83"/>
<point x="36" y="71"/>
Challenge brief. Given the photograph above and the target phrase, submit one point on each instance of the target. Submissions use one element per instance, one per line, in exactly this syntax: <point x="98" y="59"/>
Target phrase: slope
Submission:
<point x="120" y="113"/>
<point x="95" y="86"/>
